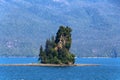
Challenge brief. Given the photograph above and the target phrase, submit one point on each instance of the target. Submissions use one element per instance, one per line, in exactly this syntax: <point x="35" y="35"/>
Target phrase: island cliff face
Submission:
<point x="57" y="48"/>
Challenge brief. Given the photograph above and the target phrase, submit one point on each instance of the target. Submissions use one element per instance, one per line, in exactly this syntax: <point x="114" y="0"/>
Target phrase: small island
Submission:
<point x="56" y="52"/>
<point x="57" y="48"/>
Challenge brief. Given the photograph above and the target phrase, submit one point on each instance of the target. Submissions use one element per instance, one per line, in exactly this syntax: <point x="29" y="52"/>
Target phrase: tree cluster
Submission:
<point x="57" y="48"/>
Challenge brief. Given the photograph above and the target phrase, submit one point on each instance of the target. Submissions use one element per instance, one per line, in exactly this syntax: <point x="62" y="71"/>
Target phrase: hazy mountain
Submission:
<point x="25" y="24"/>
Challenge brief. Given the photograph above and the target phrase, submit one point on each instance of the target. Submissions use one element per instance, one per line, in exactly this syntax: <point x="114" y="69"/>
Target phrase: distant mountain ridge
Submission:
<point x="25" y="24"/>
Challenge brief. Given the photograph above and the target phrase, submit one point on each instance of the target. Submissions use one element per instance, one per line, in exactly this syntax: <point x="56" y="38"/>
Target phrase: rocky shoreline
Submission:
<point x="54" y="65"/>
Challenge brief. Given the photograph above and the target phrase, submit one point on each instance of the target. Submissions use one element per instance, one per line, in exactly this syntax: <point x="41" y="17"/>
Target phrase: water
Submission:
<point x="109" y="70"/>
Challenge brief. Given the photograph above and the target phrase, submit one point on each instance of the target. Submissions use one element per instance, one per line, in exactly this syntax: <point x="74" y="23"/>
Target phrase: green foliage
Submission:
<point x="57" y="49"/>
<point x="66" y="33"/>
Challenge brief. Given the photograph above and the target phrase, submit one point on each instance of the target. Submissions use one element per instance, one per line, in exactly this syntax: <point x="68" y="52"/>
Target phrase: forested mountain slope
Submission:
<point x="25" y="24"/>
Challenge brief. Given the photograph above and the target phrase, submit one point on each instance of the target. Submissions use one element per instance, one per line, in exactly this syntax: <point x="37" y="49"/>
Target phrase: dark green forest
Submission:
<point x="57" y="48"/>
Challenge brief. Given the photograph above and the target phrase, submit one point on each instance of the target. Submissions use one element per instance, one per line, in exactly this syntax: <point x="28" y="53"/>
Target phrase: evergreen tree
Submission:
<point x="57" y="49"/>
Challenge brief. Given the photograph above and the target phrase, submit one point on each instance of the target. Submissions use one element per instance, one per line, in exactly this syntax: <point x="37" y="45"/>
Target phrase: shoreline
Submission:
<point x="50" y="65"/>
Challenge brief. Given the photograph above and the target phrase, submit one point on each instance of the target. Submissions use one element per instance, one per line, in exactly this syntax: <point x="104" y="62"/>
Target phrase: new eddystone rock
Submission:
<point x="57" y="48"/>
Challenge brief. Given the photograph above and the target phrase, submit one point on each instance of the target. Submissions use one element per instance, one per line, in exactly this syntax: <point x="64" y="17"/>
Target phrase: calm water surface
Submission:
<point x="109" y="70"/>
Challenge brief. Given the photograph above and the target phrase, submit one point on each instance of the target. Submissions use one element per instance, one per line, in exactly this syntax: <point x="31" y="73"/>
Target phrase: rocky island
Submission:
<point x="56" y="52"/>
<point x="57" y="48"/>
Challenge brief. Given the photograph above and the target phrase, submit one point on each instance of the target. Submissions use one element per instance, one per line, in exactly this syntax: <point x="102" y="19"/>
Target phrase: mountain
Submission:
<point x="25" y="25"/>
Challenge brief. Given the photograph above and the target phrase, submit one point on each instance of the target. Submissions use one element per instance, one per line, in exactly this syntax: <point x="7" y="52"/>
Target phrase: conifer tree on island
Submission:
<point x="57" y="48"/>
